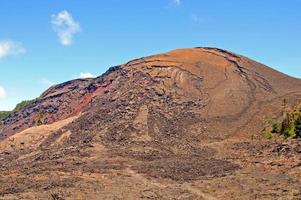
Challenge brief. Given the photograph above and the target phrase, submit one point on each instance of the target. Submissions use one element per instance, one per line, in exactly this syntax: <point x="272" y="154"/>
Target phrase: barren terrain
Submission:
<point x="186" y="124"/>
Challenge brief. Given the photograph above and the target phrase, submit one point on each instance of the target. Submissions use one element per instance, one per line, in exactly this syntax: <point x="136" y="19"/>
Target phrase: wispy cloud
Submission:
<point x="46" y="82"/>
<point x="8" y="47"/>
<point x="65" y="26"/>
<point x="195" y="19"/>
<point x="176" y="2"/>
<point x="86" y="75"/>
<point x="2" y="93"/>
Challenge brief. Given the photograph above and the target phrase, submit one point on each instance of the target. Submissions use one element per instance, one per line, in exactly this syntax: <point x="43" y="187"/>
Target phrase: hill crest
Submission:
<point x="158" y="127"/>
<point x="196" y="71"/>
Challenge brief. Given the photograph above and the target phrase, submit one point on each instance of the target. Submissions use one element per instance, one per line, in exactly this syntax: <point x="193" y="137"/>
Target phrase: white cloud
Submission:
<point x="177" y="2"/>
<point x="86" y="75"/>
<point x="65" y="26"/>
<point x="2" y="92"/>
<point x="8" y="47"/>
<point x="47" y="82"/>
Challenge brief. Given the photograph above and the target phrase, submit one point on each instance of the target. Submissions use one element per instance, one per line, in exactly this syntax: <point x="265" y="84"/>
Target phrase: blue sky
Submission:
<point x="52" y="41"/>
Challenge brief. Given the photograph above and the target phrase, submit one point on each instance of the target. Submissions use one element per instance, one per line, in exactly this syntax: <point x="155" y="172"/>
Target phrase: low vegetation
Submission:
<point x="4" y="114"/>
<point x="276" y="128"/>
<point x="41" y="119"/>
<point x="290" y="127"/>
<point x="267" y="134"/>
<point x="19" y="106"/>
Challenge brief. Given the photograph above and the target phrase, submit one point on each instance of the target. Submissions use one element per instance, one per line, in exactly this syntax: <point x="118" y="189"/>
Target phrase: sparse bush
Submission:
<point x="40" y="120"/>
<point x="276" y="128"/>
<point x="267" y="134"/>
<point x="298" y="128"/>
<point x="291" y="125"/>
<point x="289" y="131"/>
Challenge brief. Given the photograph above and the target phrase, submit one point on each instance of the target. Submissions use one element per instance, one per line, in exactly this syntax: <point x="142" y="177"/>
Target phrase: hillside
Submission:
<point x="4" y="114"/>
<point x="185" y="124"/>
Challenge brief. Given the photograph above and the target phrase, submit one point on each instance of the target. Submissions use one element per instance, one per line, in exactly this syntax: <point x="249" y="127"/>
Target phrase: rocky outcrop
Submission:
<point x="57" y="103"/>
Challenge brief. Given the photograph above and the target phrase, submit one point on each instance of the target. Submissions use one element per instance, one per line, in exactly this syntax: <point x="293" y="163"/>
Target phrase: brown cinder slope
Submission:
<point x="183" y="124"/>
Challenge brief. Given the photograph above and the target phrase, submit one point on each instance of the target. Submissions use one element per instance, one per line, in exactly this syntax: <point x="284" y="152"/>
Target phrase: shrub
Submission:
<point x="289" y="131"/>
<point x="298" y="128"/>
<point x="276" y="128"/>
<point x="40" y="120"/>
<point x="267" y="134"/>
<point x="291" y="125"/>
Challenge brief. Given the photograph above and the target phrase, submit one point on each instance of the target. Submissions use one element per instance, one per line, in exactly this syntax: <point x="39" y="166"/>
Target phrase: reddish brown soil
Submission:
<point x="181" y="125"/>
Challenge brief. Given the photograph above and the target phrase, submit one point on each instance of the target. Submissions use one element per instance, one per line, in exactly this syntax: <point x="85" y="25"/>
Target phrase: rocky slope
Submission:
<point x="57" y="103"/>
<point x="185" y="124"/>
